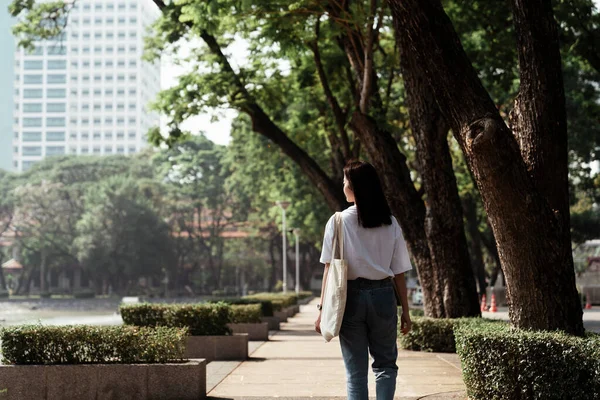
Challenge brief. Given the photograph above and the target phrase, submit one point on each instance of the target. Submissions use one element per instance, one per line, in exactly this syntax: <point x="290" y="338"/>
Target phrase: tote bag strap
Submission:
<point x="338" y="237"/>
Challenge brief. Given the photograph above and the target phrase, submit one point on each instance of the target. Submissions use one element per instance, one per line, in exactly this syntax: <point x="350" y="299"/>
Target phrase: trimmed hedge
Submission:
<point x="500" y="362"/>
<point x="245" y="314"/>
<point x="266" y="306"/>
<point x="429" y="334"/>
<point x="81" y="344"/>
<point x="200" y="319"/>
<point x="285" y="300"/>
<point x="304" y="295"/>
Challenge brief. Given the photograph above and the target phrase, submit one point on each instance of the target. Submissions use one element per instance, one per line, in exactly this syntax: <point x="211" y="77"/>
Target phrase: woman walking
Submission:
<point x="375" y="251"/>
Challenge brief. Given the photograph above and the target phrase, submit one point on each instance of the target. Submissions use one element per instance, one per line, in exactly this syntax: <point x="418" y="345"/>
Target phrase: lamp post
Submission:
<point x="284" y="205"/>
<point x="297" y="237"/>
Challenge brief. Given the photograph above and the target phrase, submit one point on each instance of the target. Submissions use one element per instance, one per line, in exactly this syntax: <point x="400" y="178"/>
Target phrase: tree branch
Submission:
<point x="368" y="56"/>
<point x="340" y="117"/>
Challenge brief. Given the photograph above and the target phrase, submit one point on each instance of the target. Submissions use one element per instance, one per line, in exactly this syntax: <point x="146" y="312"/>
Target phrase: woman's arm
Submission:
<point x="318" y="321"/>
<point x="405" y="323"/>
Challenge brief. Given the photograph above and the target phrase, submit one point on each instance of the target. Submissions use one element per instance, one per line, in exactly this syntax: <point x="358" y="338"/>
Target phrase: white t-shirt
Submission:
<point x="372" y="253"/>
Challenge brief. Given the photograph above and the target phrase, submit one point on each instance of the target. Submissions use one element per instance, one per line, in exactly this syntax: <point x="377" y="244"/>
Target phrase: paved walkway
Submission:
<point x="297" y="364"/>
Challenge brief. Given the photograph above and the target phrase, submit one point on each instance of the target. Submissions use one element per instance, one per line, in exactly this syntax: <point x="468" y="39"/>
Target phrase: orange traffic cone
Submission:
<point x="588" y="303"/>
<point x="483" y="303"/>
<point x="493" y="307"/>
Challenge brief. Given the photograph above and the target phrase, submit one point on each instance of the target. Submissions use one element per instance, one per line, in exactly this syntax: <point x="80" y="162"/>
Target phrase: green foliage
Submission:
<point x="246" y="314"/>
<point x="304" y="295"/>
<point x="502" y="363"/>
<point x="80" y="344"/>
<point x="200" y="319"/>
<point x="284" y="299"/>
<point x="429" y="334"/>
<point x="39" y="20"/>
<point x="266" y="306"/>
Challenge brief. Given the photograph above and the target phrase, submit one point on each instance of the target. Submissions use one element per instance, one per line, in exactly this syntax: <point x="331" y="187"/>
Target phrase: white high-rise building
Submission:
<point x="87" y="92"/>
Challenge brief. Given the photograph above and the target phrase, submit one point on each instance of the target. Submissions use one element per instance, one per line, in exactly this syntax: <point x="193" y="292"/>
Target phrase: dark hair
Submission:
<point x="371" y="204"/>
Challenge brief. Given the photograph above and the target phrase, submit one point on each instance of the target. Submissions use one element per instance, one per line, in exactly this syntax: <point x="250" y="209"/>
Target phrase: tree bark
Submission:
<point x="405" y="203"/>
<point x="444" y="225"/>
<point x="434" y="235"/>
<point x="536" y="260"/>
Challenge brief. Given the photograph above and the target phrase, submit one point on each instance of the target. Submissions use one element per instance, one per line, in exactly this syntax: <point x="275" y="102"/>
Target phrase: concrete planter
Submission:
<point x="259" y="331"/>
<point x="282" y="315"/>
<point x="104" y="381"/>
<point x="273" y="323"/>
<point x="212" y="348"/>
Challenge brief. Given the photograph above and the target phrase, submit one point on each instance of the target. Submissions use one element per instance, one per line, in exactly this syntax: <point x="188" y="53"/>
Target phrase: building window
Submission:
<point x="73" y="121"/>
<point x="121" y="63"/>
<point x="85" y="92"/>
<point x="37" y="51"/>
<point x="96" y="150"/>
<point x="55" y="150"/>
<point x="108" y="135"/>
<point x="31" y="64"/>
<point x="120" y="121"/>
<point x="132" y="49"/>
<point x="109" y="78"/>
<point x="132" y="106"/>
<point x="85" y="135"/>
<point x="85" y="121"/>
<point x="107" y="150"/>
<point x="110" y="21"/>
<point x="97" y="92"/>
<point x="110" y="35"/>
<point x="131" y="149"/>
<point x="55" y="137"/>
<point x="97" y="106"/>
<point x="97" y="35"/>
<point x="122" y="20"/>
<point x="97" y="121"/>
<point x="56" y="93"/>
<point x="120" y="150"/>
<point x="121" y="49"/>
<point x="86" y="50"/>
<point x="74" y="35"/>
<point x="131" y="135"/>
<point x="57" y="64"/>
<point x="108" y="107"/>
<point x="97" y="63"/>
<point x="32" y="151"/>
<point x="98" y="49"/>
<point x="109" y="64"/>
<point x="98" y="6"/>
<point x="73" y="78"/>
<point x="73" y="64"/>
<point x="132" y="77"/>
<point x="32" y="136"/>
<point x="108" y="121"/>
<point x="32" y="107"/>
<point x="85" y="150"/>
<point x="73" y="135"/>
<point x="121" y="35"/>
<point x="32" y="79"/>
<point x="110" y="6"/>
<point x="74" y="49"/>
<point x="56" y="78"/>
<point x="133" y="20"/>
<point x="132" y="91"/>
<point x="73" y="150"/>
<point x="28" y="122"/>
<point x="121" y="92"/>
<point x="108" y="92"/>
<point x="55" y="107"/>
<point x="86" y="35"/>
<point x="133" y="34"/>
<point x="85" y="78"/>
<point x="132" y="121"/>
<point x="120" y="107"/>
<point x="132" y="63"/>
<point x="120" y="135"/>
<point x="97" y="78"/>
<point x="121" y="6"/>
<point x="57" y="50"/>
<point x="97" y="136"/>
<point x="86" y="64"/>
<point x="97" y="20"/>
<point x="85" y="107"/>
<point x="52" y="121"/>
<point x="110" y="50"/>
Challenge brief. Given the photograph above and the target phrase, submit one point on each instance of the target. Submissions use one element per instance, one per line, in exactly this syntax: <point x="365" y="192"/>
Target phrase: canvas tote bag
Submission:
<point x="336" y="287"/>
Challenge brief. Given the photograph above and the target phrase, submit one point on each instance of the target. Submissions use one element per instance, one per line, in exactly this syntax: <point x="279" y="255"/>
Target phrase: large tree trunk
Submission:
<point x="528" y="221"/>
<point x="405" y="203"/>
<point x="444" y="225"/>
<point x="434" y="235"/>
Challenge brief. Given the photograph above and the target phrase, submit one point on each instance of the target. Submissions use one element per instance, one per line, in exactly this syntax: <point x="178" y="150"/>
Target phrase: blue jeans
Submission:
<point x="370" y="325"/>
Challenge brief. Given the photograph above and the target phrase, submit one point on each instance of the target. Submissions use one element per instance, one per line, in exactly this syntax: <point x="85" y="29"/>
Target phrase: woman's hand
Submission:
<point x="405" y="322"/>
<point x="318" y="324"/>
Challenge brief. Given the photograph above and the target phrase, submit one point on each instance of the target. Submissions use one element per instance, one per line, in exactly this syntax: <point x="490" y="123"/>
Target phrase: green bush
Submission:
<point x="500" y="362"/>
<point x="218" y="293"/>
<point x="245" y="314"/>
<point x="304" y="295"/>
<point x="266" y="306"/>
<point x="45" y="295"/>
<point x="200" y="319"/>
<point x="80" y="344"/>
<point x="285" y="300"/>
<point x="429" y="334"/>
<point x="85" y="294"/>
